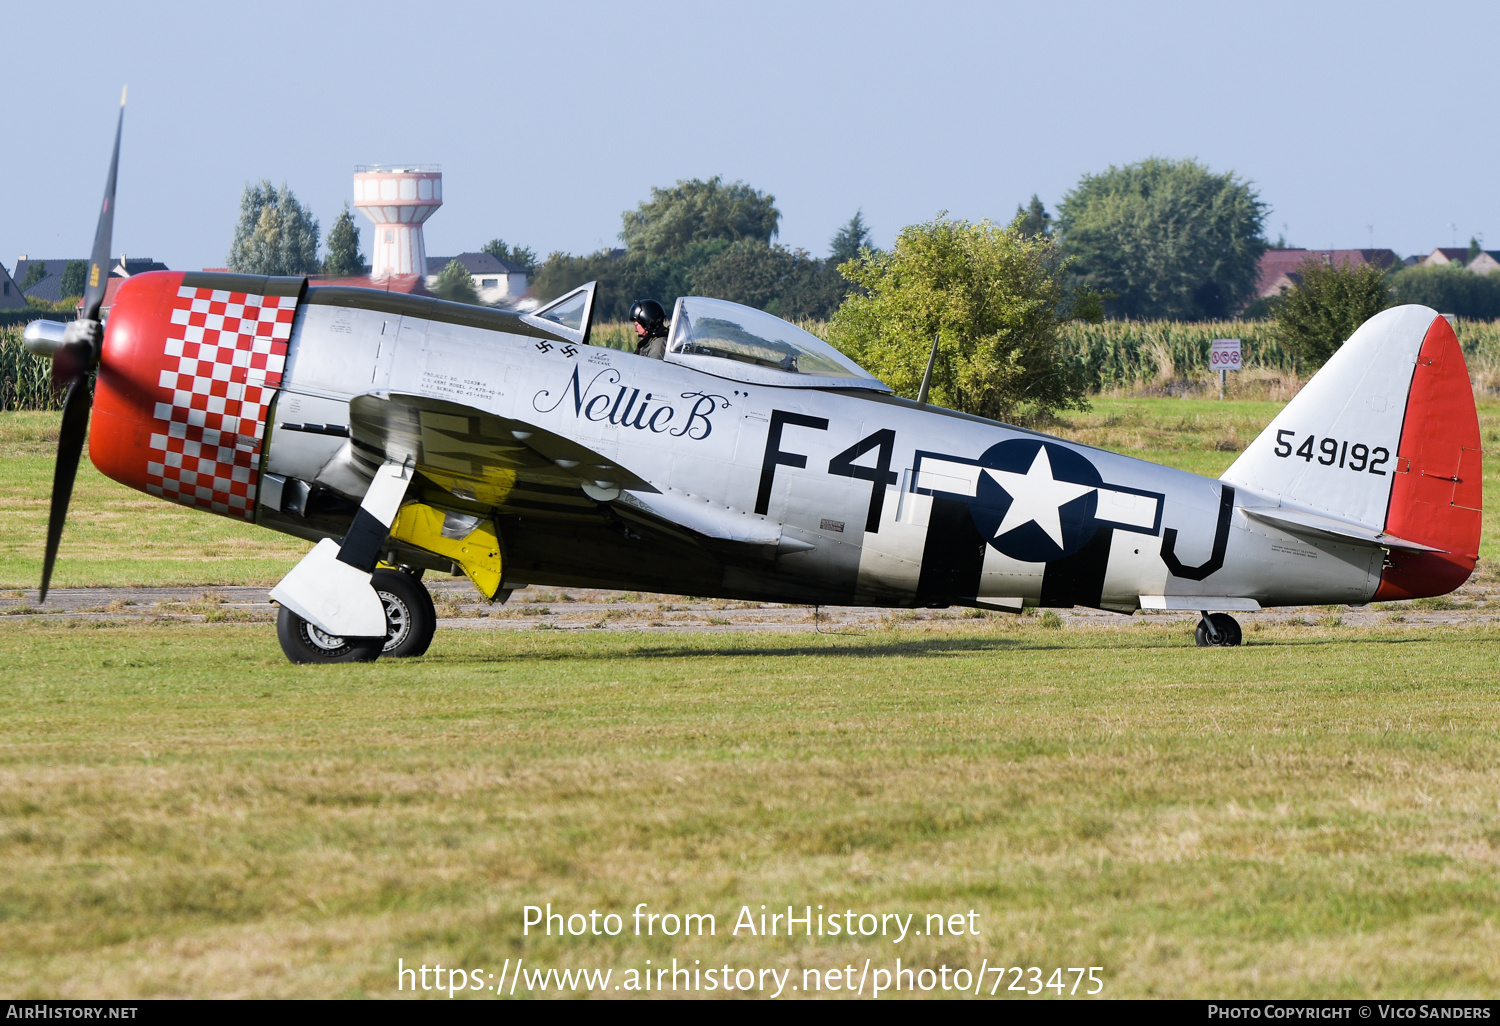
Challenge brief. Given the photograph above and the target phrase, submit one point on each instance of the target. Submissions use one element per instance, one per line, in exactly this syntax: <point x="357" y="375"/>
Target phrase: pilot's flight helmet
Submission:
<point x="649" y="315"/>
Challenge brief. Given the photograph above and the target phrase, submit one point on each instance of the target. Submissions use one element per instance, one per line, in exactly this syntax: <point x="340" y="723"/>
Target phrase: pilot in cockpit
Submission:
<point x="651" y="326"/>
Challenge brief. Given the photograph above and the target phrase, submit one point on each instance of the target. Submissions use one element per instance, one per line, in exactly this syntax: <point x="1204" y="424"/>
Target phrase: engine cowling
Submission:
<point x="190" y="365"/>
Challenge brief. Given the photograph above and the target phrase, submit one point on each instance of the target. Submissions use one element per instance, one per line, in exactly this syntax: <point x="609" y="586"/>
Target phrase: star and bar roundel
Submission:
<point x="1036" y="501"/>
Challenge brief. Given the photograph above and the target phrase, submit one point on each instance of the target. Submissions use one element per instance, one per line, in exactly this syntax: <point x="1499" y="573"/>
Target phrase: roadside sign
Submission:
<point x="1224" y="355"/>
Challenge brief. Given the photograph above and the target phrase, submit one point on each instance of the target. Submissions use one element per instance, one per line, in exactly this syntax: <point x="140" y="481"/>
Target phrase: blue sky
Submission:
<point x="551" y="119"/>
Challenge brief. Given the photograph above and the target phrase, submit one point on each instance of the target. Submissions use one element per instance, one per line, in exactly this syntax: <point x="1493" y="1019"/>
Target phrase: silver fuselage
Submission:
<point x="789" y="506"/>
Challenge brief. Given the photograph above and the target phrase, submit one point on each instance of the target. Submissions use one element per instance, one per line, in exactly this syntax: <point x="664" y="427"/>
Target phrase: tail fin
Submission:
<point x="1385" y="437"/>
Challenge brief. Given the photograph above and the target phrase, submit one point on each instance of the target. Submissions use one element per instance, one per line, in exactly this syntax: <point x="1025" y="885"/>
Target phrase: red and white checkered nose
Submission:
<point x="185" y="380"/>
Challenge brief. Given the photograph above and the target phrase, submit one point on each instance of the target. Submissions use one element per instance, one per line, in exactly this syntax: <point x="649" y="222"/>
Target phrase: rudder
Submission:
<point x="1437" y="490"/>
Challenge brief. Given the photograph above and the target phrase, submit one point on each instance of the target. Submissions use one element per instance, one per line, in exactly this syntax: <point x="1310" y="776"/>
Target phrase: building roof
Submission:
<point x="475" y="264"/>
<point x="1448" y="255"/>
<point x="50" y="287"/>
<point x="1486" y="261"/>
<point x="1279" y="264"/>
<point x="110" y="288"/>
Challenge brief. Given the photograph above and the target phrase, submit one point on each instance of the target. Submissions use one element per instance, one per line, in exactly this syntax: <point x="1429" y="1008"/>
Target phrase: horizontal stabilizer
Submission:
<point x="1300" y="522"/>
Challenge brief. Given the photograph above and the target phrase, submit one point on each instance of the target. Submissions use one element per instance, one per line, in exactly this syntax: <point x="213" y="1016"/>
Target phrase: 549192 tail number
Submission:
<point x="1357" y="457"/>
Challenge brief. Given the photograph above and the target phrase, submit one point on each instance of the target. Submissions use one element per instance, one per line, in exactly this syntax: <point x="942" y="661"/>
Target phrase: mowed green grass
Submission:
<point x="1314" y="814"/>
<point x="117" y="536"/>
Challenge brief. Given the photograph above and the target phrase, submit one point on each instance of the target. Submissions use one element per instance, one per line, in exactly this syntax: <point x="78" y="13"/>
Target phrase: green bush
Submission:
<point x="456" y="284"/>
<point x="996" y="302"/>
<point x="1325" y="307"/>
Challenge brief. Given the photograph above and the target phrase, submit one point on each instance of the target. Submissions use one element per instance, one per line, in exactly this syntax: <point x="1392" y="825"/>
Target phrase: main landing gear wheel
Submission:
<point x="410" y="617"/>
<point x="1216" y="630"/>
<point x="304" y="643"/>
<point x="410" y="620"/>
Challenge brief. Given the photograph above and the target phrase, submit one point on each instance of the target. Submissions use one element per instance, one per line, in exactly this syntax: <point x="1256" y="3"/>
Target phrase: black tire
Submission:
<point x="410" y="617"/>
<point x="304" y="643"/>
<point x="1227" y="627"/>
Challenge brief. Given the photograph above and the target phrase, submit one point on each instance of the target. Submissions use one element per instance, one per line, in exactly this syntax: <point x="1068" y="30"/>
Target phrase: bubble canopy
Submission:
<point x="741" y="343"/>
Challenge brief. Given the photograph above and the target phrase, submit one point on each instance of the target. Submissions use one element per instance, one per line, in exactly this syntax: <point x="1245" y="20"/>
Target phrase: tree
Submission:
<point x="73" y="278"/>
<point x="563" y="272"/>
<point x="772" y="278"/>
<point x="697" y="211"/>
<point x="703" y="238"/>
<point x="35" y="272"/>
<point x="1449" y="289"/>
<point x="850" y="240"/>
<point x="1322" y="310"/>
<point x="275" y="235"/>
<point x="522" y="256"/>
<point x="997" y="303"/>
<point x="343" y="247"/>
<point x="456" y="284"/>
<point x="1034" y="219"/>
<point x="1165" y="239"/>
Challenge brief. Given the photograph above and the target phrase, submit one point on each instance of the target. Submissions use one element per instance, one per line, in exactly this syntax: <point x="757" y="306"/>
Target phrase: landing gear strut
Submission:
<point x="1217" y="629"/>
<point x="410" y="621"/>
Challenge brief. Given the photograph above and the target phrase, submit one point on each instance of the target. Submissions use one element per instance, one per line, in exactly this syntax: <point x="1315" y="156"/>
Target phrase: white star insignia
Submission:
<point x="1036" y="497"/>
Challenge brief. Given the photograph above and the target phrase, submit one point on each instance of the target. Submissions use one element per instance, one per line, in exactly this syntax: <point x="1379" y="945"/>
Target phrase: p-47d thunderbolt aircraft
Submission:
<point x="404" y="434"/>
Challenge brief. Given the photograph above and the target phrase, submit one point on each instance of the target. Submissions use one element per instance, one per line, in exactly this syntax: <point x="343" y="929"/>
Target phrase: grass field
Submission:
<point x="115" y="535"/>
<point x="1314" y="814"/>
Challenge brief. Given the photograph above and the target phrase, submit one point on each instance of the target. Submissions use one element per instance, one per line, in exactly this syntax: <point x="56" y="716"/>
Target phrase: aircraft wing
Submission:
<point x="516" y="466"/>
<point x="483" y="457"/>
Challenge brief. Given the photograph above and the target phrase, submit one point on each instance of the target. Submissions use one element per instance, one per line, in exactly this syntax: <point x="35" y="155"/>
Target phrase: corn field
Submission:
<point x="1135" y="354"/>
<point x="25" y="380"/>
<point x="1128" y="354"/>
<point x="1114" y="356"/>
<point x="1481" y="345"/>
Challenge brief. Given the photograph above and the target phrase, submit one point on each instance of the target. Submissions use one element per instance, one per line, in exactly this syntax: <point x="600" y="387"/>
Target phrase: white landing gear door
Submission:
<point x="330" y="588"/>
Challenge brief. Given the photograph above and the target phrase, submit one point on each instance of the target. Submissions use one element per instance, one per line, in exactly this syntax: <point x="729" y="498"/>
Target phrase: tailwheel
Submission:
<point x="1216" y="630"/>
<point x="410" y="617"/>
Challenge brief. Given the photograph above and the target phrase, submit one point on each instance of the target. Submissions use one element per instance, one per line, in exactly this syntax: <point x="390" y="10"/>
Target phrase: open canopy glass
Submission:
<point x="744" y="344"/>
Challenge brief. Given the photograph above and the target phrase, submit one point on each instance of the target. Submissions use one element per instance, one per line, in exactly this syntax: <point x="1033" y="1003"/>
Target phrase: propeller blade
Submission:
<point x="98" y="277"/>
<point x="71" y="365"/>
<point x="75" y="428"/>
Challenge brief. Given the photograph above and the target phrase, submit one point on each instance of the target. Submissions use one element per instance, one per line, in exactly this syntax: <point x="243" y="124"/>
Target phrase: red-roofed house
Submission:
<point x="111" y="286"/>
<point x="411" y="284"/>
<point x="1278" y="267"/>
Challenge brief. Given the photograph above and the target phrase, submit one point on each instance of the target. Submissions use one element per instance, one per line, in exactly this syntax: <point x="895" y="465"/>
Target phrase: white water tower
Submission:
<point x="398" y="198"/>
